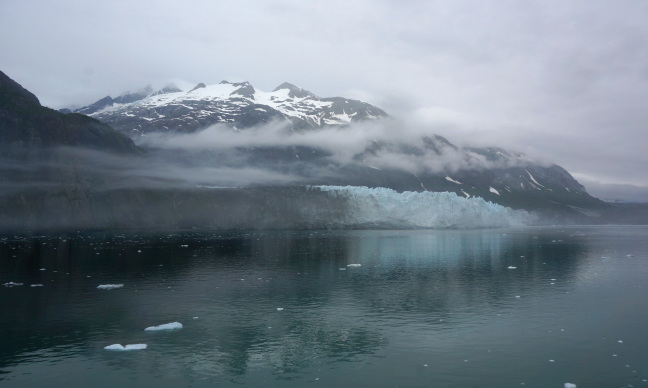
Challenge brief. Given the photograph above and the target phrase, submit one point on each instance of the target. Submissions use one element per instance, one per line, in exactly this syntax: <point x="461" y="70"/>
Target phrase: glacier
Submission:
<point x="383" y="207"/>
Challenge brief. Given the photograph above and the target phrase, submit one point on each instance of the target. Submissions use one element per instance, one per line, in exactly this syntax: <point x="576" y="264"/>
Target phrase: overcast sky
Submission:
<point x="563" y="80"/>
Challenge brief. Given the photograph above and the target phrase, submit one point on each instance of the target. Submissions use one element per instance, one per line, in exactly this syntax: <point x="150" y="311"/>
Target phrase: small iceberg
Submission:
<point x="36" y="285"/>
<point x="109" y="286"/>
<point x="127" y="347"/>
<point x="511" y="267"/>
<point x="12" y="284"/>
<point x="166" y="326"/>
<point x="279" y="308"/>
<point x="570" y="385"/>
<point x="354" y="265"/>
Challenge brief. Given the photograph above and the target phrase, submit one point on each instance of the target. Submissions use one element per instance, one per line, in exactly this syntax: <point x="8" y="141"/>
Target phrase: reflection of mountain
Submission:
<point x="416" y="276"/>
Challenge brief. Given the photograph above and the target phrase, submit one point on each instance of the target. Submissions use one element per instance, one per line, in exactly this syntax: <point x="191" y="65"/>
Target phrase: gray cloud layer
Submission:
<point x="565" y="81"/>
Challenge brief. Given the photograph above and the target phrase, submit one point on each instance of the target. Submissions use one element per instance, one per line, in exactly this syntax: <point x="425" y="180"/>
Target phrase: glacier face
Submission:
<point x="382" y="207"/>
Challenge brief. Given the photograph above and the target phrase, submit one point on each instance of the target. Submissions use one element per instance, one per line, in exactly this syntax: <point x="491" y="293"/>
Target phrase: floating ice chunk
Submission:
<point x="279" y="308"/>
<point x="570" y="385"/>
<point x="127" y="347"/>
<point x="511" y="267"/>
<point x="354" y="265"/>
<point x="630" y="255"/>
<point x="42" y="269"/>
<point x="552" y="360"/>
<point x="620" y="341"/>
<point x="342" y="269"/>
<point x="166" y="326"/>
<point x="109" y="286"/>
<point x="36" y="285"/>
<point x="12" y="284"/>
<point x="184" y="246"/>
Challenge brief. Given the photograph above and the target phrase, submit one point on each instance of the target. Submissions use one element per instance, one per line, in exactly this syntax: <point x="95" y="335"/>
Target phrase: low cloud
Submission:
<point x="384" y="144"/>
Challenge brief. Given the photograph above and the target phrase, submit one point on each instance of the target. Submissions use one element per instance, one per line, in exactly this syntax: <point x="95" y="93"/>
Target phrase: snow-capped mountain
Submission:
<point x="430" y="163"/>
<point x="239" y="105"/>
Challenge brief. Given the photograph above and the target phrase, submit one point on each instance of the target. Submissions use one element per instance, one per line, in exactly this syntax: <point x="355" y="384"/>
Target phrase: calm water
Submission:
<point x="424" y="309"/>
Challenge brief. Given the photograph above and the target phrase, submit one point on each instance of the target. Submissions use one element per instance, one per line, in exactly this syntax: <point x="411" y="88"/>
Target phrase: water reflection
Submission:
<point x="227" y="287"/>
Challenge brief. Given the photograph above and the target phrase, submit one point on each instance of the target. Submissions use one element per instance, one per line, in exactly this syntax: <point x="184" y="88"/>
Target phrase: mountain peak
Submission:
<point x="128" y="97"/>
<point x="170" y="88"/>
<point x="199" y="86"/>
<point x="13" y="92"/>
<point x="294" y="91"/>
<point x="244" y="89"/>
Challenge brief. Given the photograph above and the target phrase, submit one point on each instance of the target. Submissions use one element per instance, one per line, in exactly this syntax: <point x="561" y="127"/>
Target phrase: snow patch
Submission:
<point x="533" y="179"/>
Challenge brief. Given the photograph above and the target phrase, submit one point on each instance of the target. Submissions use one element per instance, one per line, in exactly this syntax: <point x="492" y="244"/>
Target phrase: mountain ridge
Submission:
<point x="237" y="104"/>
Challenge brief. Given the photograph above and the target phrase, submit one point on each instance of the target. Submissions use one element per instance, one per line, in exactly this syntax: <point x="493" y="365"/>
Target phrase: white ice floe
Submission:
<point x="127" y="347"/>
<point x="570" y="385"/>
<point x="36" y="285"/>
<point x="12" y="284"/>
<point x="354" y="265"/>
<point x="279" y="308"/>
<point x="109" y="286"/>
<point x="166" y="326"/>
<point x="511" y="267"/>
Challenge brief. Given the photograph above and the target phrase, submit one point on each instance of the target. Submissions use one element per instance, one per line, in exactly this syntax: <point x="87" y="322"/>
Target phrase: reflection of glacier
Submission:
<point x="386" y="207"/>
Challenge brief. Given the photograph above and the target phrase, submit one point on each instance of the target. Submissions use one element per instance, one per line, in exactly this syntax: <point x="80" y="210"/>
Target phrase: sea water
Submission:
<point x="524" y="307"/>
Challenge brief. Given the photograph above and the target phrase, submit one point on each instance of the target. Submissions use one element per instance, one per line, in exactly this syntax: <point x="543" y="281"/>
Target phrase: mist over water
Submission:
<point x="186" y="180"/>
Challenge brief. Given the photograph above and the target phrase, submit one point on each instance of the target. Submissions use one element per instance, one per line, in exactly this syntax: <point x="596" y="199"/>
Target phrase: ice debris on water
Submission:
<point x="511" y="267"/>
<point x="36" y="285"/>
<point x="570" y="385"/>
<point x="354" y="265"/>
<point x="166" y="326"/>
<point x="279" y="308"/>
<point x="109" y="286"/>
<point x="12" y="284"/>
<point x="127" y="347"/>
